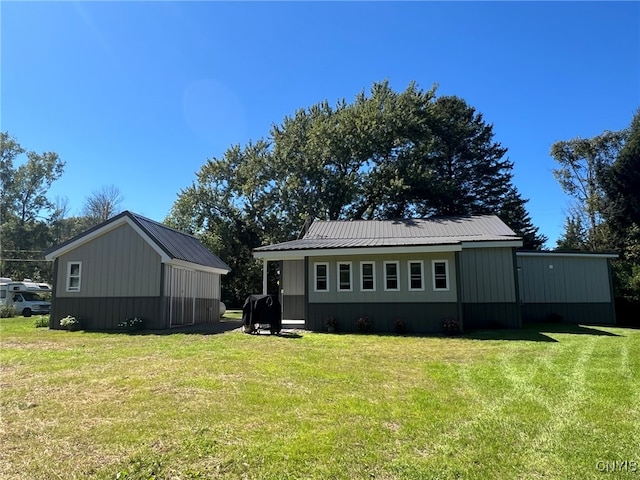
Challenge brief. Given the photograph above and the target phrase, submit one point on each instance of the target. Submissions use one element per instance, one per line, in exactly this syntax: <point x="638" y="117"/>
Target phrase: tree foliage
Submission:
<point x="602" y="175"/>
<point x="24" y="206"/>
<point x="385" y="155"/>
<point x="583" y="163"/>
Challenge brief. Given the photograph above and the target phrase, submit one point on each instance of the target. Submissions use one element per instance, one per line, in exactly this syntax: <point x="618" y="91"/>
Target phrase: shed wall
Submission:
<point x="563" y="279"/>
<point x="119" y="263"/>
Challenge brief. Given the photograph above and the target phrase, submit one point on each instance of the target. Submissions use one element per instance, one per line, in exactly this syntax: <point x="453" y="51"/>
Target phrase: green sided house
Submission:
<point x="130" y="266"/>
<point x="421" y="271"/>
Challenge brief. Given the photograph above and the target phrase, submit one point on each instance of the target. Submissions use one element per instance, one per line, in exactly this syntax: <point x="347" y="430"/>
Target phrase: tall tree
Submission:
<point x="385" y="155"/>
<point x="622" y="181"/>
<point x="102" y="204"/>
<point x="23" y="206"/>
<point x="583" y="164"/>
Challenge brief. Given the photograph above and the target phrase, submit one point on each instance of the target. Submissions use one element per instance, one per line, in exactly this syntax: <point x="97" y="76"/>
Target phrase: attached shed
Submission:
<point x="131" y="266"/>
<point x="574" y="287"/>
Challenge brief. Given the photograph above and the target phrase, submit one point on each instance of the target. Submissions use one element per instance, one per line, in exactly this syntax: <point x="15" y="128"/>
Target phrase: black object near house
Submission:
<point x="261" y="312"/>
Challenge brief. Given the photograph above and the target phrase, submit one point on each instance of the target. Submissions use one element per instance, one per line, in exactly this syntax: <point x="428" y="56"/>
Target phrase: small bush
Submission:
<point x="331" y="323"/>
<point x="451" y="326"/>
<point x="7" y="311"/>
<point x="363" y="323"/>
<point x="132" y="324"/>
<point x="399" y="325"/>
<point x="70" y="323"/>
<point x="41" y="321"/>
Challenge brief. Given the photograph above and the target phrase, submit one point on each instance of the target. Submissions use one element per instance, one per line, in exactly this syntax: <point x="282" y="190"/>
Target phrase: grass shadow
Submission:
<point x="536" y="332"/>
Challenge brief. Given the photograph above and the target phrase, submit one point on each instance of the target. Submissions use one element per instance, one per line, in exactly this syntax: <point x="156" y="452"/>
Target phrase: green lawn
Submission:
<point x="551" y="402"/>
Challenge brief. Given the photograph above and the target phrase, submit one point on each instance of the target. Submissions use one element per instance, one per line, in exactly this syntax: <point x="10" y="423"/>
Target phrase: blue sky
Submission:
<point x="139" y="94"/>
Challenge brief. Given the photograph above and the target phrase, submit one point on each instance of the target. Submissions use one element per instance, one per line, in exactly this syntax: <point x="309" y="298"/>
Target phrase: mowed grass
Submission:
<point x="550" y="402"/>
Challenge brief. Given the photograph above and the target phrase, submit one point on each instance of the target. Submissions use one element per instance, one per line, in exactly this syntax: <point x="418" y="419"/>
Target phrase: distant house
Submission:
<point x="423" y="271"/>
<point x="132" y="266"/>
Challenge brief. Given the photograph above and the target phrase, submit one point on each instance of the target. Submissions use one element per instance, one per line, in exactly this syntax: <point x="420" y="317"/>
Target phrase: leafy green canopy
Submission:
<point x="602" y="176"/>
<point x="23" y="201"/>
<point x="385" y="155"/>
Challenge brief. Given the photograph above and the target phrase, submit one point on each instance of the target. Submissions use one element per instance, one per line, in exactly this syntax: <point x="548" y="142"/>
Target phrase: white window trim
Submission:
<point x="373" y="264"/>
<point x="397" y="264"/>
<point x="421" y="289"/>
<point x="339" y="287"/>
<point x="68" y="282"/>
<point x="446" y="272"/>
<point x="315" y="276"/>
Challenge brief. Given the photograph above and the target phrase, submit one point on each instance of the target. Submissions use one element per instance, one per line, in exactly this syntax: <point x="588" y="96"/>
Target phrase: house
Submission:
<point x="421" y="271"/>
<point x="130" y="266"/>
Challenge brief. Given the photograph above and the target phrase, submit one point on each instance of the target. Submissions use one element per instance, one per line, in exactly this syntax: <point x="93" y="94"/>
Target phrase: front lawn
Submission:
<point x="550" y="402"/>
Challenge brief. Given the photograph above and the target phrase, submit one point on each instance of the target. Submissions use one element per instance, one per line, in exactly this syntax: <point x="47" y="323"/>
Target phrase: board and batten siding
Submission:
<point x="488" y="288"/>
<point x="487" y="275"/>
<point x="119" y="263"/>
<point x="380" y="295"/>
<point x="575" y="287"/>
<point x="554" y="279"/>
<point x="192" y="296"/>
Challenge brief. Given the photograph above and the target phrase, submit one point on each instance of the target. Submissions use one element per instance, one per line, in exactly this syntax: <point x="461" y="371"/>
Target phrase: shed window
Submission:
<point x="391" y="276"/>
<point x="416" y="276"/>
<point x="321" y="277"/>
<point x="74" y="275"/>
<point x="344" y="276"/>
<point x="440" y="275"/>
<point x="367" y="276"/>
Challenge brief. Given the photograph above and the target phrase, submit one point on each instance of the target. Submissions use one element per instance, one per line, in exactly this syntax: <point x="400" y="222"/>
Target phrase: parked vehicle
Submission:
<point x="26" y="296"/>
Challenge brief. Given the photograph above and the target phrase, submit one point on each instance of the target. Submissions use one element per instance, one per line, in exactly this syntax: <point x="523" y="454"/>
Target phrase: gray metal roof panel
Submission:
<point x="179" y="245"/>
<point x="411" y="232"/>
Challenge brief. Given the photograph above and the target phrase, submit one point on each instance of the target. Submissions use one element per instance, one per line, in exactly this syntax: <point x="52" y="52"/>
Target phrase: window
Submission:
<point x="344" y="276"/>
<point x="367" y="276"/>
<point x="440" y="275"/>
<point x="321" y="277"/>
<point x="391" y="276"/>
<point x="74" y="271"/>
<point x="416" y="277"/>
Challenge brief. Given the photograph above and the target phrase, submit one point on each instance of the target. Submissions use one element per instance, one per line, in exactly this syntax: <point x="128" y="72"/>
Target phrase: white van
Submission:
<point x="25" y="296"/>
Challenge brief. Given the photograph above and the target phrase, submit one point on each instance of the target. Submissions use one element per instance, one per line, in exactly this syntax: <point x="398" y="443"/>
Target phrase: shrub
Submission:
<point x="132" y="324"/>
<point x="41" y="321"/>
<point x="7" y="311"/>
<point x="70" y="323"/>
<point x="363" y="323"/>
<point x="399" y="325"/>
<point x="451" y="326"/>
<point x="331" y="323"/>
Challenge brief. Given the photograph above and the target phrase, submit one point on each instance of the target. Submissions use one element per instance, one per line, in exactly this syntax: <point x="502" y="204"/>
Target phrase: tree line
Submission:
<point x="383" y="155"/>
<point x="31" y="222"/>
<point x="601" y="175"/>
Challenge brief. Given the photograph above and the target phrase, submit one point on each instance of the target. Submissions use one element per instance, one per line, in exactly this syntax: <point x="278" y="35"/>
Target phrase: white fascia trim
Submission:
<point x="195" y="267"/>
<point x="493" y="244"/>
<point x="324" y="252"/>
<point x="105" y="229"/>
<point x="566" y="254"/>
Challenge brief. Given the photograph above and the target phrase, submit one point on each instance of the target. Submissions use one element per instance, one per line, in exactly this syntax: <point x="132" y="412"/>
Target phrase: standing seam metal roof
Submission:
<point x="176" y="244"/>
<point x="179" y="245"/>
<point x="421" y="231"/>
